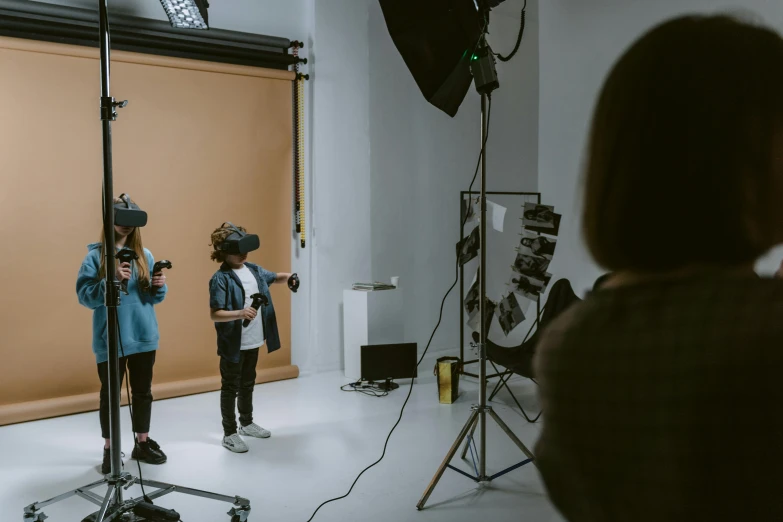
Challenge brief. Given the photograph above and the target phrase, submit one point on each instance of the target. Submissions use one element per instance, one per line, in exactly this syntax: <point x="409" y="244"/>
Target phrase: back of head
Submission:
<point x="682" y="163"/>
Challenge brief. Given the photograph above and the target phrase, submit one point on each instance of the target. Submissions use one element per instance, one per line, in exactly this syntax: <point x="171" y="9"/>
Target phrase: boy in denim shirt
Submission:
<point x="230" y="295"/>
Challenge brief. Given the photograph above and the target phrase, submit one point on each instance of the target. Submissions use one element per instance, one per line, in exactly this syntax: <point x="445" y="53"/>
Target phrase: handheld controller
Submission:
<point x="258" y="300"/>
<point x="293" y="282"/>
<point x="159" y="266"/>
<point x="126" y="256"/>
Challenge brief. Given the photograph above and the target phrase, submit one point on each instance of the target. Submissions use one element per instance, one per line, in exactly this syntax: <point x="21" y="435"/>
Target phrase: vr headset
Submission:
<point x="128" y="214"/>
<point x="238" y="242"/>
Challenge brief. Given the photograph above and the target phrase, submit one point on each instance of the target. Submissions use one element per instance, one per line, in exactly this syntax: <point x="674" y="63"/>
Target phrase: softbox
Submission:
<point x="436" y="39"/>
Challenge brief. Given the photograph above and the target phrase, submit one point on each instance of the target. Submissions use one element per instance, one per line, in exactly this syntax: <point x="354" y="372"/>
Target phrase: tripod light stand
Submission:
<point x="485" y="77"/>
<point x="112" y="506"/>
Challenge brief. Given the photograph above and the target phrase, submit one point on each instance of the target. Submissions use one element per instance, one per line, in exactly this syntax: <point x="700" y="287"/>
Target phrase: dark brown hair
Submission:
<point x="684" y="163"/>
<point x="219" y="235"/>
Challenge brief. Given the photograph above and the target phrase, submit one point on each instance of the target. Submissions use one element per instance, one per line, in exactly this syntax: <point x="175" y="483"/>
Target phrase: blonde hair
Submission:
<point x="133" y="242"/>
<point x="219" y="235"/>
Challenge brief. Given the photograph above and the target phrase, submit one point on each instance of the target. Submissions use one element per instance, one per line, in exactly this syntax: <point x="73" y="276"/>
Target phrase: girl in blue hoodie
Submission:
<point x="138" y="333"/>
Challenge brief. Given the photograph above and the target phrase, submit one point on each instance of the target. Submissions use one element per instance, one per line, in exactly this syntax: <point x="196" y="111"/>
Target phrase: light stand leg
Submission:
<point x="469" y="438"/>
<point x="513" y="437"/>
<point x="105" y="505"/>
<point x="447" y="460"/>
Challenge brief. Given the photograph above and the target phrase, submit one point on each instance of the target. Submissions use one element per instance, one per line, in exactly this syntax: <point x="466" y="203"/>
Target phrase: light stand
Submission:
<point x="486" y="82"/>
<point x="112" y="506"/>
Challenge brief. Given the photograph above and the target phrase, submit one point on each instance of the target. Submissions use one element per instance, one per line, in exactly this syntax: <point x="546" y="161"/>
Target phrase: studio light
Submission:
<point x="444" y="44"/>
<point x="438" y="42"/>
<point x="187" y="14"/>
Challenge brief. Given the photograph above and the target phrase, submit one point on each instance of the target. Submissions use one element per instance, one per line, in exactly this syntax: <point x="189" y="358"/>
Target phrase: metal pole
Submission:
<point x="483" y="298"/>
<point x="112" y="293"/>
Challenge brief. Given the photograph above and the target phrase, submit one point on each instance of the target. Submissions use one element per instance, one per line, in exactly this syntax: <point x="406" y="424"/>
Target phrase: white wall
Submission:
<point x="340" y="172"/>
<point x="579" y="42"/>
<point x="421" y="159"/>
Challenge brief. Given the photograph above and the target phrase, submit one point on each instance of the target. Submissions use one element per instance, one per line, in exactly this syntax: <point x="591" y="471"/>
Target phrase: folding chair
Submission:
<point x="519" y="359"/>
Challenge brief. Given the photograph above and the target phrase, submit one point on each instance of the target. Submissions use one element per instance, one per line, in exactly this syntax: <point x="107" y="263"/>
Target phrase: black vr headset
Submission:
<point x="128" y="214"/>
<point x="238" y="242"/>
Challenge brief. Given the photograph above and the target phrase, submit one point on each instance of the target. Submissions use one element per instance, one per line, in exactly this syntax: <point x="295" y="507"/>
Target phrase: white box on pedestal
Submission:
<point x="370" y="318"/>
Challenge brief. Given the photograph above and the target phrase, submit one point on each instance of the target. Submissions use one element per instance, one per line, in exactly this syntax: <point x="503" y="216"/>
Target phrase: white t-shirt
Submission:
<point x="252" y="336"/>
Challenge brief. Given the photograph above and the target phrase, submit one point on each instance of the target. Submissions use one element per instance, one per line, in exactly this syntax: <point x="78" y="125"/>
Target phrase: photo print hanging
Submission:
<point x="533" y="244"/>
<point x="534" y="266"/>
<point x="541" y="219"/>
<point x="471" y="302"/>
<point x="489" y="312"/>
<point x="468" y="248"/>
<point x="510" y="313"/>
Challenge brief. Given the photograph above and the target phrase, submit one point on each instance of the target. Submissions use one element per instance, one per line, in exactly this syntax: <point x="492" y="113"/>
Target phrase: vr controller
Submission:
<point x="258" y="300"/>
<point x="159" y="266"/>
<point x="126" y="256"/>
<point x="293" y="283"/>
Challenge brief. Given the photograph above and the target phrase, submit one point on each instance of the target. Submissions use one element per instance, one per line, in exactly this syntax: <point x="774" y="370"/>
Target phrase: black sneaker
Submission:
<point x="106" y="466"/>
<point x="149" y="451"/>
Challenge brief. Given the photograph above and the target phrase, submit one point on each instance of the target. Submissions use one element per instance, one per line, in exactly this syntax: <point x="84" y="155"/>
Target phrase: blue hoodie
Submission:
<point x="138" y="324"/>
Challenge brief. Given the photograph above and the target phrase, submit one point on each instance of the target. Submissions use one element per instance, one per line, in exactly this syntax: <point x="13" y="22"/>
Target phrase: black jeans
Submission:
<point x="140" y="367"/>
<point x="236" y="392"/>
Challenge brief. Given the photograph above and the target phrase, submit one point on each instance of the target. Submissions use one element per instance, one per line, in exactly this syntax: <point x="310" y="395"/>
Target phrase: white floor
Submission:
<point x="321" y="439"/>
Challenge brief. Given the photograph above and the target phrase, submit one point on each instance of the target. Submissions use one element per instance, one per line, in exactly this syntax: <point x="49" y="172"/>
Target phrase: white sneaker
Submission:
<point x="254" y="430"/>
<point x="235" y="443"/>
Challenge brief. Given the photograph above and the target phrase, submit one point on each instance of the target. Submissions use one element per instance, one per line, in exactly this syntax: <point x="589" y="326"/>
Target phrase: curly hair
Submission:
<point x="219" y="235"/>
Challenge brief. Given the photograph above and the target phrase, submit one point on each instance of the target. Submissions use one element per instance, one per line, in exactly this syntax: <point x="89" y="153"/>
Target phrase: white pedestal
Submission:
<point x="370" y="318"/>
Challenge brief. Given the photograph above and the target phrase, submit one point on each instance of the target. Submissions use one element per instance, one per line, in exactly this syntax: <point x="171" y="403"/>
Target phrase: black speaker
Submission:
<point x="436" y="39"/>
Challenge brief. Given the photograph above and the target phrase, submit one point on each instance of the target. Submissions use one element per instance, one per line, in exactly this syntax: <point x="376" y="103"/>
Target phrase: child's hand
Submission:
<point x="123" y="271"/>
<point x="248" y="313"/>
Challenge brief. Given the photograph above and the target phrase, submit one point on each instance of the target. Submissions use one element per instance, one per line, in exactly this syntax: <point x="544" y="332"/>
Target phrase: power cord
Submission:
<point x="130" y="409"/>
<point x="371" y="389"/>
<point x="426" y="349"/>
<point x="519" y="39"/>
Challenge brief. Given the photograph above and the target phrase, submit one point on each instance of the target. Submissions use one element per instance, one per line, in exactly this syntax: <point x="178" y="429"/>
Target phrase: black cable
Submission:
<point x="371" y="390"/>
<point x="519" y="39"/>
<point x="130" y="409"/>
<point x="440" y="319"/>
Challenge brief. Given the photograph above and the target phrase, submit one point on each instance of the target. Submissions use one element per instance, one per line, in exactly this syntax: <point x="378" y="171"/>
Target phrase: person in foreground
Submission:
<point x="662" y="391"/>
<point x="231" y="292"/>
<point x="138" y="333"/>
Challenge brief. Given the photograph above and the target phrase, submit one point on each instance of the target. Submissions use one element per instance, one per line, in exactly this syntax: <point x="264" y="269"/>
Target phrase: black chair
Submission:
<point x="519" y="359"/>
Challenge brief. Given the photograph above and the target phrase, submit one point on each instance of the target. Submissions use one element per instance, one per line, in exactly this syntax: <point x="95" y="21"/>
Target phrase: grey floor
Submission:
<point x="321" y="439"/>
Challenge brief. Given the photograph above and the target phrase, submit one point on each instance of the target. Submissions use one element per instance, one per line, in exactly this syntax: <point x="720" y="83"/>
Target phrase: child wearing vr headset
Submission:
<point x="138" y="326"/>
<point x="236" y="292"/>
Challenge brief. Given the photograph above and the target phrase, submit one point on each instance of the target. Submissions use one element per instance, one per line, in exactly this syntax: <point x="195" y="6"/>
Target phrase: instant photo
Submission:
<point x="533" y="266"/>
<point x="468" y="248"/>
<point x="489" y="312"/>
<point x="551" y="231"/>
<point x="536" y="245"/>
<point x="469" y="210"/>
<point x="510" y="313"/>
<point x="472" y="298"/>
<point x="539" y="216"/>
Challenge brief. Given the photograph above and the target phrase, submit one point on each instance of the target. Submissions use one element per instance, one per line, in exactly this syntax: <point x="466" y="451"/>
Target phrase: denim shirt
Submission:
<point x="226" y="293"/>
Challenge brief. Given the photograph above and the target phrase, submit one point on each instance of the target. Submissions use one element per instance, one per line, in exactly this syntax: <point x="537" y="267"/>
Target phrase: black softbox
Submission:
<point x="436" y="39"/>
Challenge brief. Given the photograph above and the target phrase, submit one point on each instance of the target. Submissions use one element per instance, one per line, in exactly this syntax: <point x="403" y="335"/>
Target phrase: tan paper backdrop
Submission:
<point x="198" y="144"/>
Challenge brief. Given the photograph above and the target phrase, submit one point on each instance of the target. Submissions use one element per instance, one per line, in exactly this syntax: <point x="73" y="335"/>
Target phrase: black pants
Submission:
<point x="140" y="367"/>
<point x="236" y="392"/>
